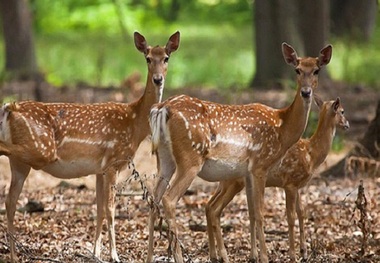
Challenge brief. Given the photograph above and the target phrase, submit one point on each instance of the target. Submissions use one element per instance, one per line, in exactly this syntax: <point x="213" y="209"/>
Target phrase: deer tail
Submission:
<point x="157" y="120"/>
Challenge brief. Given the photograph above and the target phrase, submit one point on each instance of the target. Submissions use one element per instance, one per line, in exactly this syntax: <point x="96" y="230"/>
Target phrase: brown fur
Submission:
<point x="220" y="142"/>
<point x="70" y="140"/>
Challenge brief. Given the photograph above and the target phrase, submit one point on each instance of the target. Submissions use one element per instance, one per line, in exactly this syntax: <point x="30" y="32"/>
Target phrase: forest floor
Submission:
<point x="64" y="231"/>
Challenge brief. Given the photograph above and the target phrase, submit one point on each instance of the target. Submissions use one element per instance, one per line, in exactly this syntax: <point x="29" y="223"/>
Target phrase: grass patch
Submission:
<point x="206" y="57"/>
<point x="94" y="59"/>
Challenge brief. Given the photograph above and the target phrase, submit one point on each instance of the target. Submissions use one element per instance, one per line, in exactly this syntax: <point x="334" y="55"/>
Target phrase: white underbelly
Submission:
<point x="220" y="170"/>
<point x="72" y="169"/>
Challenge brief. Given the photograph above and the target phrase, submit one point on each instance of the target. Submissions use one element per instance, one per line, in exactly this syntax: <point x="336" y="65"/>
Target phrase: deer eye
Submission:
<point x="298" y="71"/>
<point x="148" y="60"/>
<point x="316" y="72"/>
<point x="166" y="60"/>
<point x="342" y="112"/>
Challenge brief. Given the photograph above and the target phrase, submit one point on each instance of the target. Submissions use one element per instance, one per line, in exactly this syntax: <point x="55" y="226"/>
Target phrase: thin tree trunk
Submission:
<point x="120" y="16"/>
<point x="274" y="23"/>
<point x="314" y="27"/>
<point x="354" y="19"/>
<point x="314" y="24"/>
<point x="302" y="23"/>
<point x="20" y="59"/>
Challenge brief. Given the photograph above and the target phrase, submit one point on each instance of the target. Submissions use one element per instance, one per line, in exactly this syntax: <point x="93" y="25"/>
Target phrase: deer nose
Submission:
<point x="346" y="125"/>
<point x="158" y="80"/>
<point x="306" y="92"/>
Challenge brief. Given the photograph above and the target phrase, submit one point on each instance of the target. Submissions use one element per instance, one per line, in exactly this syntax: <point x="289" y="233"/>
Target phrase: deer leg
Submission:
<point x="152" y="218"/>
<point x="153" y="213"/>
<point x="100" y="208"/>
<point x="301" y="216"/>
<point x="19" y="173"/>
<point x="252" y="222"/>
<point x="232" y="190"/>
<point x="291" y="197"/>
<point x="165" y="172"/>
<point x="255" y="187"/>
<point x="225" y="193"/>
<point x="109" y="206"/>
<point x="181" y="182"/>
<point x="211" y="224"/>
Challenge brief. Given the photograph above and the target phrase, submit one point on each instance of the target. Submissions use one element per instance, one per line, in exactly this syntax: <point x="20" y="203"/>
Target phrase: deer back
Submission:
<point x="66" y="131"/>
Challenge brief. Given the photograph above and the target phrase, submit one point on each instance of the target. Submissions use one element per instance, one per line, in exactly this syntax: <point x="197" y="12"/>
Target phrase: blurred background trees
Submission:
<point x="20" y="57"/>
<point x="303" y="24"/>
<point x="229" y="45"/>
<point x="306" y="24"/>
<point x="240" y="39"/>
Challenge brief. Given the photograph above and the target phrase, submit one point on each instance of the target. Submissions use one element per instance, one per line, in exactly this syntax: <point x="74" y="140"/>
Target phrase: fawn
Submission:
<point x="294" y="172"/>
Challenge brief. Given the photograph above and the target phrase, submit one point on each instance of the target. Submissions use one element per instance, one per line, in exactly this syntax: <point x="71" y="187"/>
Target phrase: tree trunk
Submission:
<point x="20" y="59"/>
<point x="353" y="18"/>
<point x="371" y="139"/>
<point x="274" y="23"/>
<point x="304" y="24"/>
<point x="169" y="11"/>
<point x="364" y="159"/>
<point x="314" y="27"/>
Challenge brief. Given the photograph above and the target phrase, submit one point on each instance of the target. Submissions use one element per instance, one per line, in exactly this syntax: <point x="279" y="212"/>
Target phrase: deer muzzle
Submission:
<point x="306" y="92"/>
<point x="158" y="79"/>
<point x="346" y="125"/>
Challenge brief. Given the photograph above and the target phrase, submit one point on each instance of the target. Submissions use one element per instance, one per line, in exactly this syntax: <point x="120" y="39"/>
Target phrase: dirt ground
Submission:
<point x="65" y="231"/>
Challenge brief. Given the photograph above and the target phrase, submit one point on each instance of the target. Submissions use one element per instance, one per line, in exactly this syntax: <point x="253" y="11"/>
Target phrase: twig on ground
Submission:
<point x="44" y="259"/>
<point x="129" y="194"/>
<point x="363" y="223"/>
<point x="91" y="257"/>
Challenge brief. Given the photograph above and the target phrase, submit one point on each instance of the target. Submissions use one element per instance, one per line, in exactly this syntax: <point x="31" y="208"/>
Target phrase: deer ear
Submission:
<point x="140" y="42"/>
<point x="318" y="101"/>
<point x="336" y="104"/>
<point x="290" y="55"/>
<point x="173" y="43"/>
<point x="325" y="55"/>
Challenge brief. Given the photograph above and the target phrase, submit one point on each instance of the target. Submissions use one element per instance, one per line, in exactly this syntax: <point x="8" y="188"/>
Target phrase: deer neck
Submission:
<point x="152" y="95"/>
<point x="141" y="109"/>
<point x="294" y="120"/>
<point x="321" y="141"/>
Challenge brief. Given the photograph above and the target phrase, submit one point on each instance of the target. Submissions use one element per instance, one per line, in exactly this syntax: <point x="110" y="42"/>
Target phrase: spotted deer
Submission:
<point x="222" y="142"/>
<point x="69" y="140"/>
<point x="294" y="172"/>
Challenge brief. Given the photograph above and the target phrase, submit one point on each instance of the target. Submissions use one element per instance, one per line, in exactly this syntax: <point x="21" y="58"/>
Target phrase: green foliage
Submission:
<point x="8" y="99"/>
<point x="312" y="124"/>
<point x="83" y="41"/>
<point x="206" y="57"/>
<point x="233" y="12"/>
<point x="95" y="59"/>
<point x="52" y="17"/>
<point x="338" y="143"/>
<point x="357" y="62"/>
<point x="214" y="56"/>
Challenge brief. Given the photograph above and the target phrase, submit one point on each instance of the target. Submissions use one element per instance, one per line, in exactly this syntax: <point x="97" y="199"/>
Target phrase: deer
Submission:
<point x="217" y="142"/>
<point x="294" y="172"/>
<point x="72" y="140"/>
